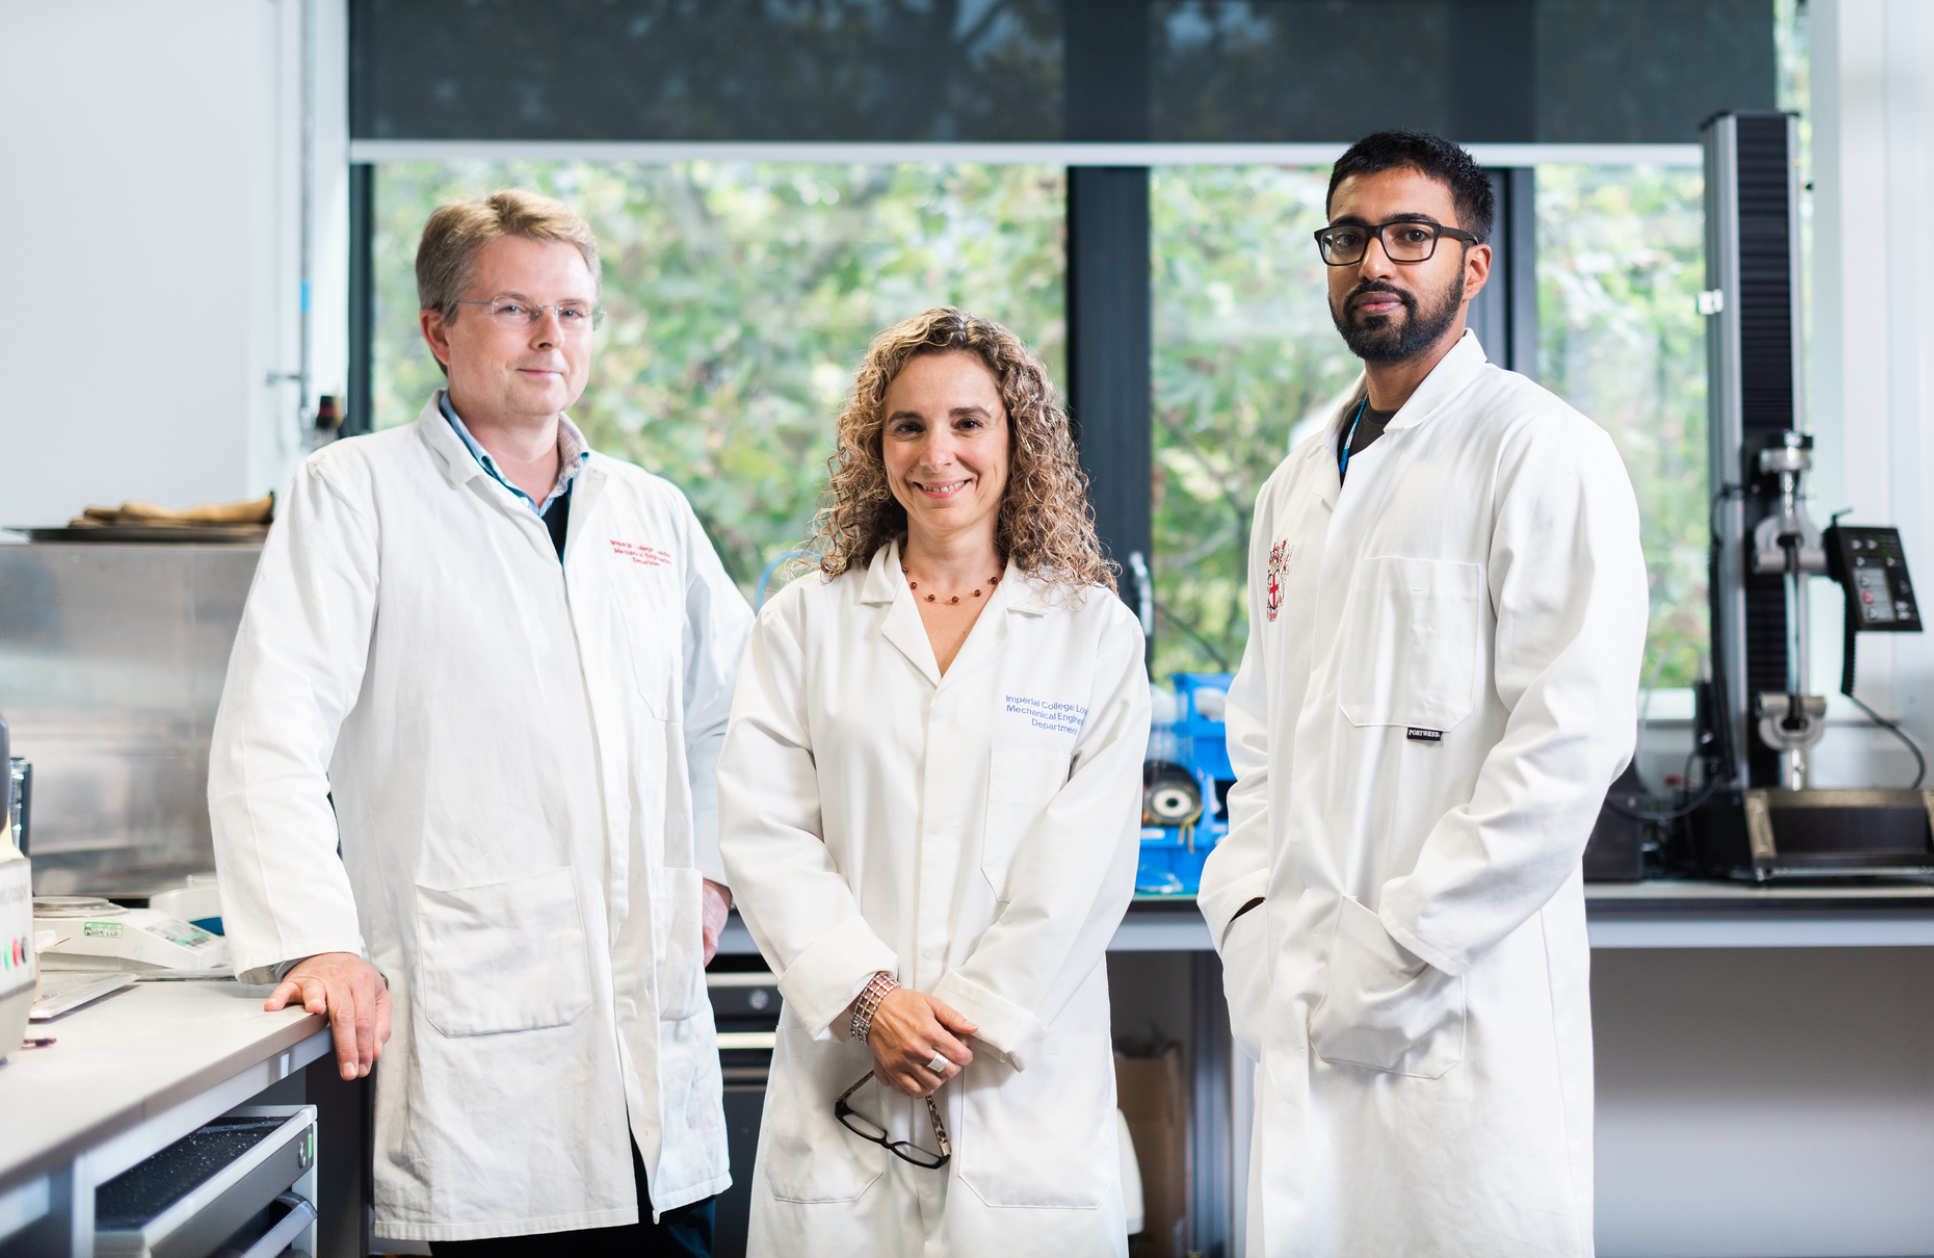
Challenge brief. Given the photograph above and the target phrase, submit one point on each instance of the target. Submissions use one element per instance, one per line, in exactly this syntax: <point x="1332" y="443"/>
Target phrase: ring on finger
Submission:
<point x="939" y="1064"/>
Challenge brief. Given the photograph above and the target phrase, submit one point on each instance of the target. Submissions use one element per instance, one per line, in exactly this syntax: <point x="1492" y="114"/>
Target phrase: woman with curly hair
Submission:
<point x="929" y="808"/>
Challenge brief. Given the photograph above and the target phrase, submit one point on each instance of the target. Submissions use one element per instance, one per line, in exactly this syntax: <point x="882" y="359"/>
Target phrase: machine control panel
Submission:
<point x="1869" y="563"/>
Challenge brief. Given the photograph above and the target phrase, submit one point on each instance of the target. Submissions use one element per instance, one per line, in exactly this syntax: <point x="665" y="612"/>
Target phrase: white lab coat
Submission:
<point x="521" y="756"/>
<point x="974" y="834"/>
<point x="1439" y="685"/>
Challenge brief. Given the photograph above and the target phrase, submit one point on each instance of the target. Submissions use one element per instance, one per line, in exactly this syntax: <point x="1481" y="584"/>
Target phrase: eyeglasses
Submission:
<point x="511" y="312"/>
<point x="1404" y="240"/>
<point x="907" y="1151"/>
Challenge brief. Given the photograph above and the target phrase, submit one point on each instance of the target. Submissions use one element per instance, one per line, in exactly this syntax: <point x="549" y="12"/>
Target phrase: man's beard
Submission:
<point x="1382" y="340"/>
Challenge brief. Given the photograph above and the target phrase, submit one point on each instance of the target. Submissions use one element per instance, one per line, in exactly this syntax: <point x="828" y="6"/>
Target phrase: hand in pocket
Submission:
<point x="1245" y="979"/>
<point x="1384" y="1008"/>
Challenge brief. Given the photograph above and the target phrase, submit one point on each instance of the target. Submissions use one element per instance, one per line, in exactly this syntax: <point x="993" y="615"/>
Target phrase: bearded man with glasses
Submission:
<point x="1447" y="607"/>
<point x="462" y="784"/>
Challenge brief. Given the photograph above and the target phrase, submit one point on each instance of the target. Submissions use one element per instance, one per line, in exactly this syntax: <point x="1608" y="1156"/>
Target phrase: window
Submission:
<point x="1621" y="260"/>
<point x="739" y="302"/>
<point x="1244" y="350"/>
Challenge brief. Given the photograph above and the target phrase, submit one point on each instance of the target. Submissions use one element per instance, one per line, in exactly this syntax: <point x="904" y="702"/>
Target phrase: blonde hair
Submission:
<point x="456" y="232"/>
<point x="1045" y="526"/>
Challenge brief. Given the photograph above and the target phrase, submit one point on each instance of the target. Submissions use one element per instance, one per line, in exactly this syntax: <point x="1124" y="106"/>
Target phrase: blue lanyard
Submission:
<point x="1349" y="438"/>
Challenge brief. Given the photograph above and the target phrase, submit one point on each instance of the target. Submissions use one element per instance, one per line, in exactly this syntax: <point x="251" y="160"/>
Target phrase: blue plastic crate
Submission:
<point x="1171" y="864"/>
<point x="1205" y="741"/>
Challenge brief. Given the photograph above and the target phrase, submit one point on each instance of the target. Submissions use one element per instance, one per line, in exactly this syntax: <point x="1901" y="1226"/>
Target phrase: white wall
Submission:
<point x="151" y="157"/>
<point x="1871" y="383"/>
<point x="1764" y="1102"/>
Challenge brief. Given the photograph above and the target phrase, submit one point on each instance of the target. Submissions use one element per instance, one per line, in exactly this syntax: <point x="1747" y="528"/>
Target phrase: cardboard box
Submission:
<point x="1153" y="1095"/>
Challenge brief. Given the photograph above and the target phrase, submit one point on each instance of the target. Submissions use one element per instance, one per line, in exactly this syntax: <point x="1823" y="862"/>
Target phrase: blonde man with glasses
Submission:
<point x="461" y="780"/>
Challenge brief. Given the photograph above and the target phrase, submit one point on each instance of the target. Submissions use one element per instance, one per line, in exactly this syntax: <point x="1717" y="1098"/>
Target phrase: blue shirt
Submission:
<point x="572" y="452"/>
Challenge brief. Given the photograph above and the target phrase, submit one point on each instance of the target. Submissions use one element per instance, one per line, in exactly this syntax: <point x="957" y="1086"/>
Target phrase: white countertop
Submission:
<point x="1696" y="913"/>
<point x="153" y="1056"/>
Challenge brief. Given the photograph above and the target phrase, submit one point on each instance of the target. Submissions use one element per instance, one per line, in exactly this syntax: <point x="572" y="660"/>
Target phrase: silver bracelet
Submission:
<point x="869" y="1003"/>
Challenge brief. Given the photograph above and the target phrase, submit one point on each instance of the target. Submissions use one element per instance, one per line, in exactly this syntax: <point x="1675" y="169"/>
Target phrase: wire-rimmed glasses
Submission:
<point x="515" y="312"/>
<point x="907" y="1151"/>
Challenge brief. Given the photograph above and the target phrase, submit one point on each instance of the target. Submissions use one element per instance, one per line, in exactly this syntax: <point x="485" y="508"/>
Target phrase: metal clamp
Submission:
<point x="1775" y="709"/>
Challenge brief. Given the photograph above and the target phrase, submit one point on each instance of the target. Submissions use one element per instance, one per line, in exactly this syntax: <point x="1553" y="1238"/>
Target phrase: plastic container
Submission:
<point x="1171" y="859"/>
<point x="1186" y="733"/>
<point x="1204" y="737"/>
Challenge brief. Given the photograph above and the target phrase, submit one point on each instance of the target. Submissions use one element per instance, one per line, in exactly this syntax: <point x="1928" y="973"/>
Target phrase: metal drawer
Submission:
<point x="191" y="1199"/>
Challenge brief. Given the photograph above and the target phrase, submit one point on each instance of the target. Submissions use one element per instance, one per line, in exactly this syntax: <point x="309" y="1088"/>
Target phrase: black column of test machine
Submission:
<point x="1761" y="717"/>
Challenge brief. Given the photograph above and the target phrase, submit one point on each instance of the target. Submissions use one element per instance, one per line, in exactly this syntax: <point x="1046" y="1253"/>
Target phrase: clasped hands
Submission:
<point x="910" y="1033"/>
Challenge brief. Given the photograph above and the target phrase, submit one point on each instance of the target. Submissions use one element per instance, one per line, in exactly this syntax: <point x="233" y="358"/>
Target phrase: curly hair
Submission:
<point x="1046" y="525"/>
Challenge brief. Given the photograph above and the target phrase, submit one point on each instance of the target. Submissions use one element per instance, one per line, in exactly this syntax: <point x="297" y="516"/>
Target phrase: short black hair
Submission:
<point x="1429" y="155"/>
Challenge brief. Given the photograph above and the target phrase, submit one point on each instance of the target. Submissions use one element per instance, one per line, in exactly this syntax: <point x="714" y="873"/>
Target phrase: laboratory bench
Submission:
<point x="1765" y="1064"/>
<point x="1710" y="1087"/>
<point x="177" y="1068"/>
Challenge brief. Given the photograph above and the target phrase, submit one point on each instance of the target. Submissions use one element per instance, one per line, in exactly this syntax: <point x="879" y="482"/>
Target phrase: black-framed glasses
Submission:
<point x="1404" y="240"/>
<point x="515" y="312"/>
<point x="907" y="1151"/>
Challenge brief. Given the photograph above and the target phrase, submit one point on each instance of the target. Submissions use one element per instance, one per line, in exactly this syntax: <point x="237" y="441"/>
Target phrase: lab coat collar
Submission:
<point x="461" y="467"/>
<point x="1025" y="594"/>
<point x="901" y="627"/>
<point x="458" y="465"/>
<point x="884" y="583"/>
<point x="1446" y="380"/>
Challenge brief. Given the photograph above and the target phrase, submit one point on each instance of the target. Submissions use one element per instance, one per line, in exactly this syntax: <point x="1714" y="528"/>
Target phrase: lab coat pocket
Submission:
<point x="1022" y="779"/>
<point x="677" y="928"/>
<point x="1383" y="1008"/>
<point x="805" y="1154"/>
<point x="1413" y="634"/>
<point x="1245" y="980"/>
<point x="1044" y="1137"/>
<point x="502" y="956"/>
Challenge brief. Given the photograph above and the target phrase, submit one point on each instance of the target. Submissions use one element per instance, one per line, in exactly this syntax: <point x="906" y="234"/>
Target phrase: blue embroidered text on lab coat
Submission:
<point x="1058" y="718"/>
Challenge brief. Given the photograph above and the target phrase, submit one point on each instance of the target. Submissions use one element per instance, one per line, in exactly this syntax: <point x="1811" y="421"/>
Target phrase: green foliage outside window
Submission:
<point x="1621" y="260"/>
<point x="1244" y="350"/>
<point x="739" y="302"/>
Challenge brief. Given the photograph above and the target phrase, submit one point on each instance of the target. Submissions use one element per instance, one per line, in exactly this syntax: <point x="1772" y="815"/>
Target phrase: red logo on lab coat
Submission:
<point x="648" y="556"/>
<point x="1278" y="560"/>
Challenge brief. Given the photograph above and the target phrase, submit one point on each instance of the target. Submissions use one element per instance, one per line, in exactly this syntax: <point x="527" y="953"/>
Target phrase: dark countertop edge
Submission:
<point x="1773" y="905"/>
<point x="1726" y="897"/>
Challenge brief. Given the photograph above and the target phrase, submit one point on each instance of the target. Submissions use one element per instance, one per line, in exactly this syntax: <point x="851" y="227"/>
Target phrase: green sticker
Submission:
<point x="102" y="930"/>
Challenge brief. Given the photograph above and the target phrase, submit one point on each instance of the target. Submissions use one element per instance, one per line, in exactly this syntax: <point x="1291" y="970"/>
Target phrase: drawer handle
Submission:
<point x="293" y="1224"/>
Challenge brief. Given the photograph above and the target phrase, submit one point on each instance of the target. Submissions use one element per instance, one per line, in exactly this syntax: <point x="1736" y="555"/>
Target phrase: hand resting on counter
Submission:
<point x="353" y="994"/>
